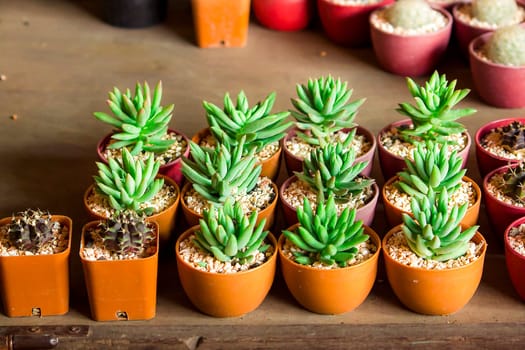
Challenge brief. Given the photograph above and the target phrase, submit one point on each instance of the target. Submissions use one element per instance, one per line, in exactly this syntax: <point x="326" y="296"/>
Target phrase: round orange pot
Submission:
<point x="394" y="215"/>
<point x="165" y="219"/>
<point x="121" y="289"/>
<point x="434" y="292"/>
<point x="34" y="285"/>
<point x="226" y="294"/>
<point x="330" y="291"/>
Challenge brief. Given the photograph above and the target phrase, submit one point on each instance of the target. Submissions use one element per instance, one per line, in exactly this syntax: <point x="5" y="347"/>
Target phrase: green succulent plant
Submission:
<point x="433" y="169"/>
<point x="229" y="235"/>
<point x="435" y="232"/>
<point x="322" y="109"/>
<point x="514" y="183"/>
<point x="30" y="229"/>
<point x="257" y="124"/>
<point x="221" y="172"/>
<point x="411" y="14"/>
<point x="331" y="169"/>
<point x="140" y="120"/>
<point x="496" y="12"/>
<point x="129" y="182"/>
<point x="433" y="117"/>
<point x="324" y="236"/>
<point x="507" y="46"/>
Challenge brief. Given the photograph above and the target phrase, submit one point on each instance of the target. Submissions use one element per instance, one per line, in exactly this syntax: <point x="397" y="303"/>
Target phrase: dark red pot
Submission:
<point x="391" y="164"/>
<point x="171" y="170"/>
<point x="411" y="55"/>
<point x="515" y="262"/>
<point x="347" y="24"/>
<point x="285" y="15"/>
<point x="365" y="213"/>
<point x="486" y="160"/>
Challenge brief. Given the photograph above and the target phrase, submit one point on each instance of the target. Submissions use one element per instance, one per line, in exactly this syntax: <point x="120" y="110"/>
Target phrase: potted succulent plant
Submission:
<point x="410" y="37"/>
<point x="431" y="118"/>
<point x="329" y="260"/>
<point x="128" y="183"/>
<point x="497" y="63"/>
<point x="324" y="115"/>
<point x="119" y="257"/>
<point x="433" y="250"/>
<point x="34" y="253"/>
<point x="331" y="169"/>
<point x="142" y="126"/>
<point x="515" y="254"/>
<point x="134" y="14"/>
<point x="263" y="129"/>
<point x="285" y="15"/>
<point x="227" y="263"/>
<point x="433" y="168"/>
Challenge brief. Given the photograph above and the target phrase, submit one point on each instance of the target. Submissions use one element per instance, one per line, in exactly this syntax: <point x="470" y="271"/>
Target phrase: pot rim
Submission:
<point x="363" y="6"/>
<point x="490" y="195"/>
<point x="508" y="247"/>
<point x="486" y="128"/>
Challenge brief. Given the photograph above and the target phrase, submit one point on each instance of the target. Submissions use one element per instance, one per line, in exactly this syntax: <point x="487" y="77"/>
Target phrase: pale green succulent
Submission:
<point x="496" y="12"/>
<point x="410" y="14"/>
<point x="507" y="46"/>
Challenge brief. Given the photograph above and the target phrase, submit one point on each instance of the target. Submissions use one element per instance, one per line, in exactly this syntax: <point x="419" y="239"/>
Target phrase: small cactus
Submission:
<point x="30" y="229"/>
<point x="514" y="183"/>
<point x="411" y="14"/>
<point x="496" y="12"/>
<point x="513" y="136"/>
<point x="507" y="46"/>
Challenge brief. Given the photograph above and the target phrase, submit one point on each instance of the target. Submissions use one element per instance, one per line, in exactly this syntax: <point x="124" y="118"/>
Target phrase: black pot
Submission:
<point x="134" y="13"/>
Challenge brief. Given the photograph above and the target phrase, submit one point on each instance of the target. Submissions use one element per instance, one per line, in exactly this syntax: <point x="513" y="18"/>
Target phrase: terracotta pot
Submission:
<point x="434" y="292"/>
<point x="394" y="215"/>
<point x="488" y="161"/>
<point x="515" y="261"/>
<point x="192" y="217"/>
<point x="33" y="285"/>
<point x="347" y="24"/>
<point x="221" y="23"/>
<point x="134" y="14"/>
<point x="410" y="55"/>
<point x="270" y="166"/>
<point x="498" y="85"/>
<point x="333" y="291"/>
<point x="120" y="289"/>
<point x="285" y="15"/>
<point x="171" y="169"/>
<point x="391" y="164"/>
<point x="365" y="213"/>
<point x="226" y="294"/>
<point x="165" y="219"/>
<point x="294" y="163"/>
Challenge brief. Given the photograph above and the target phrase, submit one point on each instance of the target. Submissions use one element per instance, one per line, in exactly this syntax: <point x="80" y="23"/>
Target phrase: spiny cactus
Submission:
<point x="221" y="172"/>
<point x="435" y="232"/>
<point x="433" y="117"/>
<point x="229" y="235"/>
<point x="411" y="14"/>
<point x="513" y="136"/>
<point x="257" y="123"/>
<point x="141" y="121"/>
<point x="128" y="183"/>
<point x="507" y="46"/>
<point x="514" y="183"/>
<point x="433" y="168"/>
<point x="330" y="169"/>
<point x="323" y="109"/>
<point x="497" y="12"/>
<point x="325" y="237"/>
<point x="30" y="229"/>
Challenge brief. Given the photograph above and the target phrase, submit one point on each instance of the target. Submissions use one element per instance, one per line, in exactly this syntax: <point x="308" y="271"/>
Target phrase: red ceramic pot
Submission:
<point x="391" y="164"/>
<point x="347" y="24"/>
<point x="497" y="84"/>
<point x="488" y="161"/>
<point x="365" y="213"/>
<point x="515" y="261"/>
<point x="410" y="55"/>
<point x="285" y="15"/>
<point x="171" y="170"/>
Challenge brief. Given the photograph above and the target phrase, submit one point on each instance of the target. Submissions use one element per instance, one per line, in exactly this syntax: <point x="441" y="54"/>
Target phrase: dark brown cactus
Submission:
<point x="514" y="183"/>
<point x="31" y="229"/>
<point x="513" y="136"/>
<point x="126" y="233"/>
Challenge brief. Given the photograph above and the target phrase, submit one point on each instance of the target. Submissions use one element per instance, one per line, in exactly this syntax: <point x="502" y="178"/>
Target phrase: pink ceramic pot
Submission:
<point x="285" y="15"/>
<point x="498" y="85"/>
<point x="486" y="160"/>
<point x="410" y="55"/>
<point x="365" y="213"/>
<point x="515" y="261"/>
<point x="347" y="24"/>
<point x="391" y="164"/>
<point x="171" y="170"/>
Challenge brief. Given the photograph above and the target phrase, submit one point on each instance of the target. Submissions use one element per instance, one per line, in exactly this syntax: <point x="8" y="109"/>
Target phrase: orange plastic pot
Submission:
<point x="165" y="219"/>
<point x="221" y="23"/>
<point x="36" y="285"/>
<point x="120" y="289"/>
<point x="434" y="292"/>
<point x="394" y="215"/>
<point x="330" y="291"/>
<point x="226" y="294"/>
